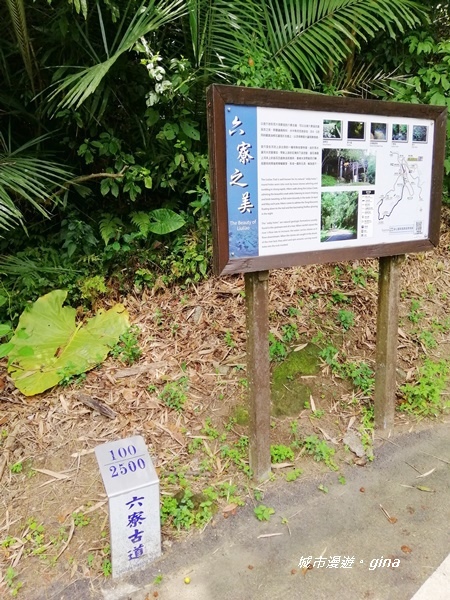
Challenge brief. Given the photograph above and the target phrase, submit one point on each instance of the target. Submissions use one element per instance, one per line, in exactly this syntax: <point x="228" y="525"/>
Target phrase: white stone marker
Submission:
<point x="132" y="487"/>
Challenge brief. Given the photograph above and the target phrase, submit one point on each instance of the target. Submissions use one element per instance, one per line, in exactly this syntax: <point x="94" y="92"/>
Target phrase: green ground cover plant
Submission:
<point x="280" y="453"/>
<point x="366" y="429"/>
<point x="415" y="313"/>
<point x="277" y="348"/>
<point x="293" y="475"/>
<point x="127" y="349"/>
<point x="424" y="395"/>
<point x="361" y="375"/>
<point x="263" y="513"/>
<point x="174" y="393"/>
<point x="346" y="318"/>
<point x="12" y="582"/>
<point x="320" y="451"/>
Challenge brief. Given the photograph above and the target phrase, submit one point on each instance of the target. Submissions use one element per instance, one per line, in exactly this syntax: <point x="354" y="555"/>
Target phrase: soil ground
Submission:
<point x="186" y="397"/>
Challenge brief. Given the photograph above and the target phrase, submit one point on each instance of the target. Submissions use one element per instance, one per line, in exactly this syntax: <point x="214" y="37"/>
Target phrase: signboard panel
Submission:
<point x="300" y="178"/>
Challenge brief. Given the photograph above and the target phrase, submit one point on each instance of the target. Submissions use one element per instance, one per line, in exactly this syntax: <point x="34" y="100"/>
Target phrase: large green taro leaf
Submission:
<point x="48" y="346"/>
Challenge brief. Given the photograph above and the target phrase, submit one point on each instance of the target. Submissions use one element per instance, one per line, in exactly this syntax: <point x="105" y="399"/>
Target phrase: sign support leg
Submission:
<point x="258" y="372"/>
<point x="387" y="339"/>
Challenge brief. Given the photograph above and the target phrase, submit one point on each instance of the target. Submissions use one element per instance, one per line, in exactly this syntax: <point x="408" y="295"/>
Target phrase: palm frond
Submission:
<point x="22" y="266"/>
<point x="76" y="88"/>
<point x="202" y="17"/>
<point x="365" y="80"/>
<point x="305" y="36"/>
<point x="26" y="177"/>
<point x="19" y="22"/>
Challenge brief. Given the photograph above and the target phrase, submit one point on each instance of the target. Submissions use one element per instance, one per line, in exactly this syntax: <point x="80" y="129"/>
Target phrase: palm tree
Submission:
<point x="308" y="38"/>
<point x="26" y="177"/>
<point x="73" y="89"/>
<point x="34" y="177"/>
<point x="303" y="37"/>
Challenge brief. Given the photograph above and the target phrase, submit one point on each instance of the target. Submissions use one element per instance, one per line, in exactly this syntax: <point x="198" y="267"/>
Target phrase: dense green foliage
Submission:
<point x="103" y="150"/>
<point x="339" y="211"/>
<point x="419" y="65"/>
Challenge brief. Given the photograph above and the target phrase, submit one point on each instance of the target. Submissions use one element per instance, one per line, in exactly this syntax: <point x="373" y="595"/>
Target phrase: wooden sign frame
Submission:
<point x="220" y="96"/>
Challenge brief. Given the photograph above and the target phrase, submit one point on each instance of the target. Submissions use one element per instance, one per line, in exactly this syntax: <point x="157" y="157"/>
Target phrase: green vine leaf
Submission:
<point x="48" y="345"/>
<point x="190" y="129"/>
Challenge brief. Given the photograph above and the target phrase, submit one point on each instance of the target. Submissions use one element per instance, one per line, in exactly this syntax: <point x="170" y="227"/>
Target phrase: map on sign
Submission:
<point x="407" y="185"/>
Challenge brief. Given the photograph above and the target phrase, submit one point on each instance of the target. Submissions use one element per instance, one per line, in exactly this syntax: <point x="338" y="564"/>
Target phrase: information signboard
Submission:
<point x="302" y="178"/>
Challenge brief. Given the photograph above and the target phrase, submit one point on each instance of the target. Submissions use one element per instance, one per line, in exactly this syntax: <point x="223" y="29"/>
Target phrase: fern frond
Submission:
<point x="109" y="227"/>
<point x="142" y="221"/>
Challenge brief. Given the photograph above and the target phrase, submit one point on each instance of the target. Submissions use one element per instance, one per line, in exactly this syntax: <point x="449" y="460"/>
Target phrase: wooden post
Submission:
<point x="387" y="339"/>
<point x="258" y="372"/>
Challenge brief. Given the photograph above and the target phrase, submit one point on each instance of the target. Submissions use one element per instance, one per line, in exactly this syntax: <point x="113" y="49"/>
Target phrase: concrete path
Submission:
<point x="344" y="534"/>
<point x="437" y="586"/>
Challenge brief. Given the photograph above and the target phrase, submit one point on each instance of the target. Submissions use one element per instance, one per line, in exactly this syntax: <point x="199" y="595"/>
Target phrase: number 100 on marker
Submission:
<point x="127" y="464"/>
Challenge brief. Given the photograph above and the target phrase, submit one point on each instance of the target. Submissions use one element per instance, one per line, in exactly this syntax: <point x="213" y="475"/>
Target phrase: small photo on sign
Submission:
<point x="332" y="130"/>
<point x="399" y="132"/>
<point x="338" y="216"/>
<point x="356" y="130"/>
<point x="378" y="132"/>
<point x="345" y="166"/>
<point x="420" y="134"/>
